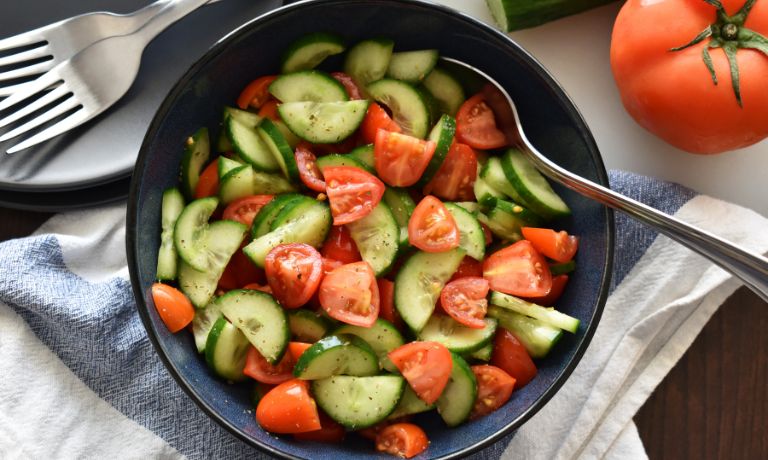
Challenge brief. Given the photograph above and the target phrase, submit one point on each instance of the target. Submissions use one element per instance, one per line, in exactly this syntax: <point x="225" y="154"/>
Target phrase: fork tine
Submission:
<point x="6" y="91"/>
<point x="33" y="69"/>
<point x="27" y="38"/>
<point x="60" y="109"/>
<point x="30" y="89"/>
<point x="76" y="119"/>
<point x="38" y="104"/>
<point x="40" y="51"/>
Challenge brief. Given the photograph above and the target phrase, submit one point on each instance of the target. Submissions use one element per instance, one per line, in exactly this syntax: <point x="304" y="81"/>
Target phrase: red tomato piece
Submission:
<point x="173" y="306"/>
<point x="518" y="270"/>
<point x="258" y="287"/>
<point x="329" y="431"/>
<point x="244" y="209"/>
<point x="558" y="246"/>
<point x="426" y="366"/>
<point x="512" y="357"/>
<point x="377" y="118"/>
<point x="259" y="369"/>
<point x="465" y="301"/>
<point x="352" y="192"/>
<point x="340" y="246"/>
<point x="494" y="388"/>
<point x="487" y="233"/>
<point x="387" y="304"/>
<point x="455" y="180"/>
<point x="558" y="286"/>
<point x="255" y="93"/>
<point x="402" y="440"/>
<point x="468" y="267"/>
<point x="476" y="125"/>
<point x="296" y="349"/>
<point x="350" y="294"/>
<point x="293" y="272"/>
<point x="308" y="171"/>
<point x="349" y="84"/>
<point x="330" y="265"/>
<point x="288" y="408"/>
<point x="400" y="160"/>
<point x="269" y="110"/>
<point x="208" y="183"/>
<point x="431" y="227"/>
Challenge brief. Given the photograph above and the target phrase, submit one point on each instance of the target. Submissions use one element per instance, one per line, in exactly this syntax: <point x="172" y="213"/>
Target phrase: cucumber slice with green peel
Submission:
<point x="419" y="282"/>
<point x="446" y="90"/>
<point x="358" y="402"/>
<point x="471" y="235"/>
<point x="483" y="354"/>
<point x="197" y="151"/>
<point x="337" y="159"/>
<point x="191" y="231"/>
<point x="455" y="336"/>
<point x="532" y="187"/>
<point x="409" y="109"/>
<point x="237" y="183"/>
<point x="337" y="355"/>
<point x="458" y="398"/>
<point x="226" y="165"/>
<point x="310" y="50"/>
<point x="442" y="134"/>
<point x="323" y="122"/>
<point x="412" y="66"/>
<point x="308" y="85"/>
<point x="260" y="318"/>
<point x="225" y="350"/>
<point x="311" y="227"/>
<point x="247" y="143"/>
<point x="167" y="256"/>
<point x="281" y="151"/>
<point x="562" y="268"/>
<point x="484" y="193"/>
<point x="222" y="240"/>
<point x="377" y="237"/>
<point x="401" y="204"/>
<point x="409" y="404"/>
<point x="364" y="154"/>
<point x="262" y="223"/>
<point x="271" y="184"/>
<point x="245" y="117"/>
<point x="368" y="60"/>
<point x="506" y="219"/>
<point x="307" y="326"/>
<point x="493" y="174"/>
<point x="469" y="206"/>
<point x="292" y="139"/>
<point x="291" y="211"/>
<point x="383" y="337"/>
<point x="223" y="144"/>
<point x="548" y="316"/>
<point x="203" y="322"/>
<point x="537" y="338"/>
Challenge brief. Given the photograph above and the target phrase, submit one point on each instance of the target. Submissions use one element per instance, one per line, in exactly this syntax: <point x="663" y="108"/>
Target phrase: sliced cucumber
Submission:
<point x="249" y="145"/>
<point x="271" y="184"/>
<point x="306" y="326"/>
<point x="280" y="149"/>
<point x="310" y="50"/>
<point x="292" y="139"/>
<point x="336" y="159"/>
<point x="532" y="186"/>
<point x="368" y="60"/>
<point x="203" y="322"/>
<point x="226" y="165"/>
<point x="197" y="151"/>
<point x="537" y="338"/>
<point x="469" y="206"/>
<point x="409" y="404"/>
<point x="364" y="154"/>
<point x="262" y="223"/>
<point x="337" y="355"/>
<point x="223" y="144"/>
<point x="546" y="315"/>
<point x="260" y="318"/>
<point x="563" y="268"/>
<point x="291" y="211"/>
<point x="442" y="134"/>
<point x="377" y="237"/>
<point x="419" y="282"/>
<point x="237" y="183"/>
<point x="383" y="337"/>
<point x="446" y="90"/>
<point x="225" y="350"/>
<point x="412" y="66"/>
<point x="323" y="122"/>
<point x="167" y="256"/>
<point x="506" y="219"/>
<point x="484" y="193"/>
<point x="308" y="85"/>
<point x="472" y="237"/>
<point x="401" y="204"/>
<point x="245" y="117"/>
<point x="483" y="354"/>
<point x="358" y="402"/>
<point x="455" y="336"/>
<point x="458" y="398"/>
<point x="191" y="231"/>
<point x="493" y="174"/>
<point x="408" y="107"/>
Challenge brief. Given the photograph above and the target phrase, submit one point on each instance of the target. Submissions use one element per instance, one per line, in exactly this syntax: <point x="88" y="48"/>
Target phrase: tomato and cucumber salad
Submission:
<point x="363" y="246"/>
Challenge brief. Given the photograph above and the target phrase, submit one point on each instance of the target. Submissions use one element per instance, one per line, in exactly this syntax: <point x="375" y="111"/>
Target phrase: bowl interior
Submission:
<point x="550" y="120"/>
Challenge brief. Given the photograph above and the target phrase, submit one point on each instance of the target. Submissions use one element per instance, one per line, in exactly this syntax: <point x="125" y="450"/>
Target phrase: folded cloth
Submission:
<point x="83" y="381"/>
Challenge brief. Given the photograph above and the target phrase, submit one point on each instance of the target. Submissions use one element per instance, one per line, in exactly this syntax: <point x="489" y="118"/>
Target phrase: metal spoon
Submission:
<point x="752" y="269"/>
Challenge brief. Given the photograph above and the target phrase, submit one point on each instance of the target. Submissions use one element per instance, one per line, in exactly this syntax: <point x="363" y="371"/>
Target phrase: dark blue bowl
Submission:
<point x="552" y="123"/>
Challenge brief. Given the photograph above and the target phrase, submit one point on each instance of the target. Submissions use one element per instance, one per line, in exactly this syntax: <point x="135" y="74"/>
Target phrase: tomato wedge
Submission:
<point x="476" y="125"/>
<point x="431" y="227"/>
<point x="269" y="110"/>
<point x="402" y="439"/>
<point x="558" y="246"/>
<point x="296" y="349"/>
<point x="308" y="171"/>
<point x="387" y="302"/>
<point x="494" y="388"/>
<point x="558" y="286"/>
<point x="255" y="93"/>
<point x="511" y="356"/>
<point x="468" y="267"/>
<point x="293" y="272"/>
<point x="258" y="287"/>
<point x="288" y="408"/>
<point x="340" y="246"/>
<point x="426" y="366"/>
<point x="329" y="431"/>
<point x="330" y="265"/>
<point x="465" y="301"/>
<point x="455" y="179"/>
<point x="244" y="209"/>
<point x="352" y="192"/>
<point x="400" y="160"/>
<point x="518" y="270"/>
<point x="350" y="294"/>
<point x="173" y="306"/>
<point x="377" y="118"/>
<point x="259" y="369"/>
<point x="208" y="183"/>
<point x="349" y="84"/>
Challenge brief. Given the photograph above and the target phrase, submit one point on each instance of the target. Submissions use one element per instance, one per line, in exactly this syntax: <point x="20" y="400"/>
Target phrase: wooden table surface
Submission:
<point x="714" y="402"/>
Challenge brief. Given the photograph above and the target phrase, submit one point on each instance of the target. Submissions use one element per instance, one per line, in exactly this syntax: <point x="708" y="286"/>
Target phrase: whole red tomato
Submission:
<point x="672" y="63"/>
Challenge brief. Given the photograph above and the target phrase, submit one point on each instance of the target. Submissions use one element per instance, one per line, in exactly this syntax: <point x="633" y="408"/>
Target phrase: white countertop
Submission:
<point x="575" y="50"/>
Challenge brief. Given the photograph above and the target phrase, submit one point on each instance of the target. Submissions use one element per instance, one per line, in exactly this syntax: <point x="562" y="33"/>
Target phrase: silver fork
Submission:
<point x="90" y="81"/>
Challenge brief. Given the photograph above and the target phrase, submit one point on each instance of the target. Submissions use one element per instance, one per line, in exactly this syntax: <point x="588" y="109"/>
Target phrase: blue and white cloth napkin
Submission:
<point x="81" y="380"/>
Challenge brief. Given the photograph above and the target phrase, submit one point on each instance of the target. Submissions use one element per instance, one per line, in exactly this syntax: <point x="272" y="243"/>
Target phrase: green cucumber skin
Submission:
<point x="260" y="305"/>
<point x="548" y="316"/>
<point x="263" y="220"/>
<point x="534" y="202"/>
<point x="345" y="347"/>
<point x="383" y="337"/>
<point x="338" y="406"/>
<point x="480" y="337"/>
<point x="443" y="134"/>
<point x="382" y="252"/>
<point x="563" y="268"/>
<point x="191" y="229"/>
<point x="412" y="66"/>
<point x="292" y="60"/>
<point x="523" y="15"/>
<point x="409" y="108"/>
<point x="279" y="147"/>
<point x="306" y="326"/>
<point x="308" y="85"/>
<point x="537" y="338"/>
<point x="167" y="256"/>
<point x="472" y="237"/>
<point x="197" y="151"/>
<point x="458" y="398"/>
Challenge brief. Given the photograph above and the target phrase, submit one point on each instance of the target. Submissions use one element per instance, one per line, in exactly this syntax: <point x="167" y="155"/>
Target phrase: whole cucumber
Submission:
<point x="520" y="14"/>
